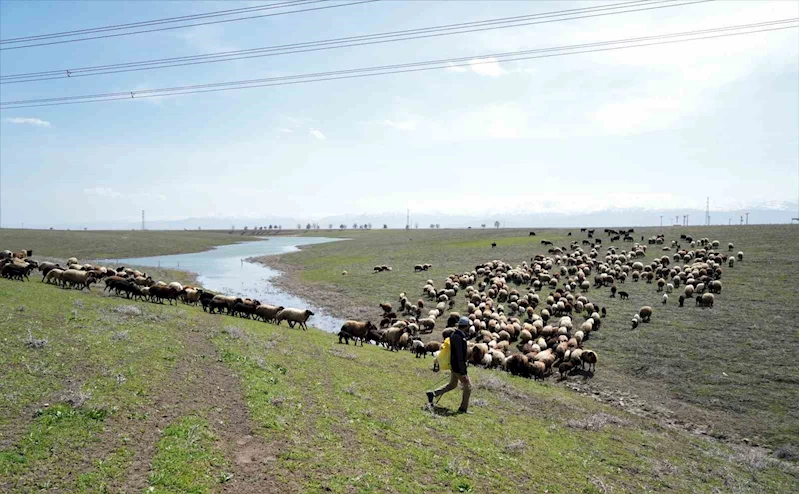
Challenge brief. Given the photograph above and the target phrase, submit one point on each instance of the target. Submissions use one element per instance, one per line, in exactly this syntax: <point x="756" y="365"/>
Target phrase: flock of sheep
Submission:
<point x="512" y="326"/>
<point x="515" y="328"/>
<point x="133" y="284"/>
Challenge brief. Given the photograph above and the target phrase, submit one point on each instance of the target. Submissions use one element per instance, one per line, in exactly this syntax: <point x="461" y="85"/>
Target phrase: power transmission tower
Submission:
<point x="408" y="220"/>
<point x="661" y="221"/>
<point x="747" y="218"/>
<point x="707" y="212"/>
<point x="142" y="220"/>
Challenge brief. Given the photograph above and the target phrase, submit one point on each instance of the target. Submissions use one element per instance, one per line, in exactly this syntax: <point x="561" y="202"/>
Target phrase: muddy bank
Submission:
<point x="333" y="300"/>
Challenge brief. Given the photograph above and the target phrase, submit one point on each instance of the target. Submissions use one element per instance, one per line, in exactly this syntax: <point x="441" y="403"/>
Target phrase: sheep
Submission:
<point x="645" y="312"/>
<point x="220" y="302"/>
<point x="715" y="286"/>
<point x="158" y="293"/>
<point x="589" y="357"/>
<point x="624" y="295"/>
<point x="682" y="300"/>
<point x="431" y="347"/>
<point x="72" y="260"/>
<point x="706" y="300"/>
<point x="190" y="296"/>
<point x="689" y="291"/>
<point x="79" y="279"/>
<point x="268" y="313"/>
<point x="386" y="307"/>
<point x="14" y="272"/>
<point x="665" y="298"/>
<point x="357" y="330"/>
<point x="294" y="316"/>
<point x="344" y="273"/>
<point x="669" y="288"/>
<point x="740" y="256"/>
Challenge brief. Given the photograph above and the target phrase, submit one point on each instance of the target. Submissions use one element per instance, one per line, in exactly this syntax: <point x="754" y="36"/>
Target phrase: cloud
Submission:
<point x="112" y="193"/>
<point x="486" y="66"/>
<point x="285" y="131"/>
<point x="29" y="121"/>
<point x="405" y="125"/>
<point x="318" y="134"/>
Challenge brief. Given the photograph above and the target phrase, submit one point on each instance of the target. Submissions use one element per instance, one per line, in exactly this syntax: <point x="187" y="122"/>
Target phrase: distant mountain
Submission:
<point x="763" y="213"/>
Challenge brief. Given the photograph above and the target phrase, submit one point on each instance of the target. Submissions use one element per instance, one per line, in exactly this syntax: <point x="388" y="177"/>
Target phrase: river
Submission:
<point x="225" y="269"/>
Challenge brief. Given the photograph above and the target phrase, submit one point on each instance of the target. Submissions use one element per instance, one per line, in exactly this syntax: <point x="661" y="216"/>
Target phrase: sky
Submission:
<point x="654" y="127"/>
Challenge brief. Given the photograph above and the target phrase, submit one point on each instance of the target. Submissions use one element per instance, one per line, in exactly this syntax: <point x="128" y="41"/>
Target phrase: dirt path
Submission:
<point x="202" y="384"/>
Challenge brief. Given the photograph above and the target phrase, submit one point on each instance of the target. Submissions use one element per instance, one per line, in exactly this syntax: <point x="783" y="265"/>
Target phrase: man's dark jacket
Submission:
<point x="457" y="355"/>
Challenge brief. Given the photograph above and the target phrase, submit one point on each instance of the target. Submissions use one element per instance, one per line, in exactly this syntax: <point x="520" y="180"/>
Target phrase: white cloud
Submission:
<point x="406" y="125"/>
<point x="112" y="193"/>
<point x="29" y="121"/>
<point x="318" y="134"/>
<point x="284" y="130"/>
<point x="486" y="66"/>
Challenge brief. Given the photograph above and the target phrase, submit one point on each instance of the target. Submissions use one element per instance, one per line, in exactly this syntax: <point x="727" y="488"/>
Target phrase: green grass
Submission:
<point x="113" y="244"/>
<point x="187" y="459"/>
<point x="84" y="412"/>
<point x="729" y="369"/>
<point x="351" y="419"/>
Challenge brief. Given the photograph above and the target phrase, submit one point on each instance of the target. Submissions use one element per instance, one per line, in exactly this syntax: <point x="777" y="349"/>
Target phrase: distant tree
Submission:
<point x="269" y="227"/>
<point x="432" y="225"/>
<point x="308" y="226"/>
<point x="385" y="227"/>
<point x="355" y="225"/>
<point x="245" y="228"/>
<point x="330" y="226"/>
<point x="496" y="224"/>
<point x="438" y="226"/>
<point x="343" y="226"/>
<point x="483" y="225"/>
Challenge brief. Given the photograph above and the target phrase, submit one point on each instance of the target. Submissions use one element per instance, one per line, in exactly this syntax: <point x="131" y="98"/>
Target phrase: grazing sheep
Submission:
<point x="706" y="300"/>
<point x="589" y="357"/>
<point x="682" y="300"/>
<point x="665" y="298"/>
<point x="624" y="295"/>
<point x="645" y="312"/>
<point x="344" y="273"/>
<point x="432" y="347"/>
<point x="740" y="256"/>
<point x="294" y="316"/>
<point x="386" y="307"/>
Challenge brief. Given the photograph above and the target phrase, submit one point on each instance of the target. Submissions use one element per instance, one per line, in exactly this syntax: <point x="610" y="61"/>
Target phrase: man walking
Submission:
<point x="457" y="341"/>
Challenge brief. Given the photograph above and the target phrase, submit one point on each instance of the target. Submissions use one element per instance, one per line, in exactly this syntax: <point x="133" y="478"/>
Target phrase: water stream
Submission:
<point x="225" y="269"/>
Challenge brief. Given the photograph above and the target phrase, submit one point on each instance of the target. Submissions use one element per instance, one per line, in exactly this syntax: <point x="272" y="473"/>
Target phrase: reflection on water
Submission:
<point x="224" y="269"/>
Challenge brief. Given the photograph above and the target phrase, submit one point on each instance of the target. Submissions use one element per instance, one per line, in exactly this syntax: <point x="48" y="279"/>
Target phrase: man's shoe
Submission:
<point x="430" y="397"/>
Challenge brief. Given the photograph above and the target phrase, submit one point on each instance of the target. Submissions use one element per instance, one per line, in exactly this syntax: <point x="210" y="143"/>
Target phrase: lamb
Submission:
<point x="418" y="348"/>
<point x="740" y="256"/>
<point x="624" y="295"/>
<point x="294" y="316"/>
<point x="79" y="279"/>
<point x="432" y="347"/>
<point x="665" y="298"/>
<point x="268" y="313"/>
<point x="682" y="300"/>
<point x="357" y="330"/>
<point x="645" y="312"/>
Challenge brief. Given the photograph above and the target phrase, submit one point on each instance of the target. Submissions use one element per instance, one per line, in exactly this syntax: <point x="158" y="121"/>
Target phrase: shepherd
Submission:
<point x="457" y="365"/>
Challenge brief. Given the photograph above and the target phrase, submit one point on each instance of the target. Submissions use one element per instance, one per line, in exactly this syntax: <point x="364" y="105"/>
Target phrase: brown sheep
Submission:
<point x="645" y="312"/>
<point x="356" y="330"/>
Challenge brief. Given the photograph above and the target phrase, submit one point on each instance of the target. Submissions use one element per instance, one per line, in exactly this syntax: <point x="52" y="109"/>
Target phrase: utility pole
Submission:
<point x="747" y="218"/>
<point x="661" y="221"/>
<point x="707" y="212"/>
<point x="142" y="220"/>
<point x="677" y="220"/>
<point x="687" y="219"/>
<point x="408" y="220"/>
<point x="742" y="220"/>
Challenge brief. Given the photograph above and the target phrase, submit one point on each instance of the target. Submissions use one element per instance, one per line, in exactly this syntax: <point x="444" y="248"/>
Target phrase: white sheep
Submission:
<point x="294" y="316"/>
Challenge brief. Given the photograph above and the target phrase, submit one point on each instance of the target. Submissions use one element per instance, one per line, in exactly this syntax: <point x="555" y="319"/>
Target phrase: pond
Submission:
<point x="225" y="269"/>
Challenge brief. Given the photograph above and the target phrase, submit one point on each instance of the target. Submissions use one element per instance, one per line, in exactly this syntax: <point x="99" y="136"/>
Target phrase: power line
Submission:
<point x="370" y="39"/>
<point x="403" y="68"/>
<point x="198" y="24"/>
<point x="131" y="25"/>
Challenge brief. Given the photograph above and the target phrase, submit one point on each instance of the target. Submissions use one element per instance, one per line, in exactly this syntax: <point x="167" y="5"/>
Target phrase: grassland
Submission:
<point x="113" y="244"/>
<point x="103" y="395"/>
<point x="729" y="371"/>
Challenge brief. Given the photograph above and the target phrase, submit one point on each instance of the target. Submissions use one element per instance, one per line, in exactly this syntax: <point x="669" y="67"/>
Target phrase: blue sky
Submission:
<point x="650" y="127"/>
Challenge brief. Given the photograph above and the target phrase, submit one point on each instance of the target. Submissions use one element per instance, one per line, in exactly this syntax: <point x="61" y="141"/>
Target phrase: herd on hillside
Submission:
<point x="511" y="325"/>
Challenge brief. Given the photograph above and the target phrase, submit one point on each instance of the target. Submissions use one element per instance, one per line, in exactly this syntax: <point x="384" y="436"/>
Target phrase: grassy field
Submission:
<point x="100" y="394"/>
<point x="729" y="371"/>
<point x="113" y="244"/>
